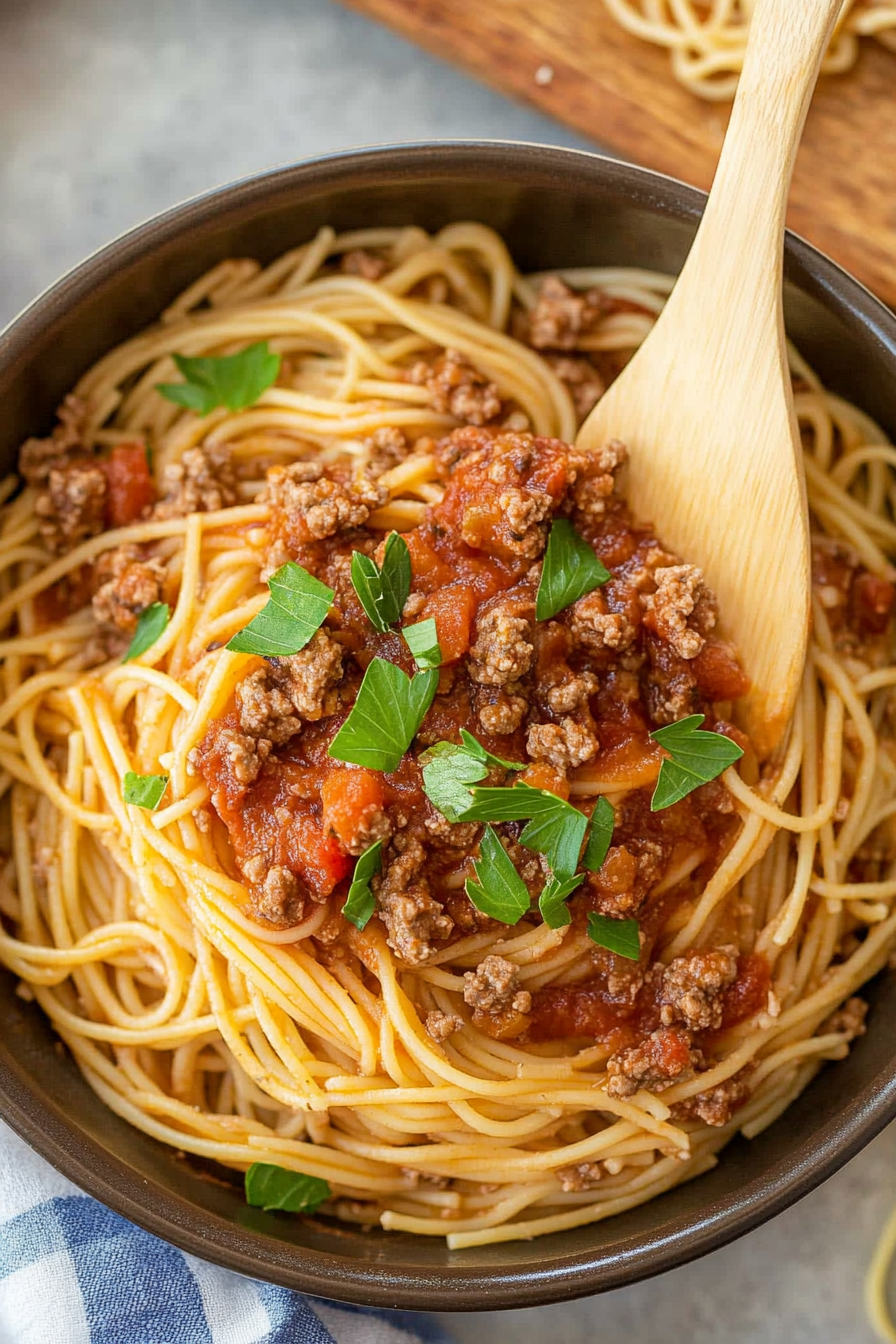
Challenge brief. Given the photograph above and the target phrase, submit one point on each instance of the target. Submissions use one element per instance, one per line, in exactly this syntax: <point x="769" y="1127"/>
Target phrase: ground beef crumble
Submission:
<point x="127" y="584"/>
<point x="441" y="1025"/>
<point x="717" y="1105"/>
<point x="662" y="1059"/>
<point x="692" y="986"/>
<point x="73" y="506"/>
<point x="562" y="315"/>
<point x="502" y="651"/>
<point x="203" y="481"/>
<point x="38" y="456"/>
<point x="456" y="388"/>
<point x="308" y="506"/>
<point x="413" y="920"/>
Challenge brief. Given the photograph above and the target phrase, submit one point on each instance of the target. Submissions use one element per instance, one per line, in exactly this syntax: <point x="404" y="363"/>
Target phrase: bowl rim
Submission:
<point x="458" y="1286"/>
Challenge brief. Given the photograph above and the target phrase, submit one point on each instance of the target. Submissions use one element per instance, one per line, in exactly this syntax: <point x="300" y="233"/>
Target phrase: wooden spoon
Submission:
<point x="705" y="405"/>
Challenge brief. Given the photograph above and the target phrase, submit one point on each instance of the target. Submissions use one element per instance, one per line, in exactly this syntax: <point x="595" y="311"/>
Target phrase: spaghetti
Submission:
<point x="706" y="39"/>
<point x="239" y="1017"/>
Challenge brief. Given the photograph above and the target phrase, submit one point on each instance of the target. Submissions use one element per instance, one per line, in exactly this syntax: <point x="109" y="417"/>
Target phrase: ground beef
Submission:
<point x="573" y="693"/>
<point x="386" y="447"/>
<point x="72" y="508"/>
<point x="277" y="895"/>
<point x="679" y="590"/>
<point x="580" y="1176"/>
<point x="265" y="710"/>
<point x="563" y="745"/>
<point x="310" y="506"/>
<point x="582" y="380"/>
<point x="659" y="1061"/>
<point x="523" y="511"/>
<point x="413" y="920"/>
<point x="275" y="699"/>
<point x="504" y="712"/>
<point x="244" y="755"/>
<point x="626" y="876"/>
<point x="561" y="315"/>
<point x="457" y="388"/>
<point x="502" y="651"/>
<point x="716" y="1105"/>
<point x="593" y="489"/>
<point x="442" y="1025"/>
<point x="310" y="676"/>
<point x="127" y="584"/>
<point x="38" y="456"/>
<point x="692" y="987"/>
<point x="203" y="481"/>
<point x="848" y="1020"/>
<point x="494" y="987"/>
<point x="362" y="263"/>
<point x="595" y="627"/>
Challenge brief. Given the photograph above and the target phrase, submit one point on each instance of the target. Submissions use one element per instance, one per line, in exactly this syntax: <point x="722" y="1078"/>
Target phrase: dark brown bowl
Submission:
<point x="554" y="207"/>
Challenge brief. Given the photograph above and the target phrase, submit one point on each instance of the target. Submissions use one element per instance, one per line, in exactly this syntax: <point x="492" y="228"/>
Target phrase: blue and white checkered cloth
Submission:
<point x="73" y="1272"/>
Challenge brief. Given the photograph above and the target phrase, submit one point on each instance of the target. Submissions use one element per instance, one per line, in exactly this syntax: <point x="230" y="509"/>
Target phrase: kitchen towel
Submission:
<point x="74" y="1272"/>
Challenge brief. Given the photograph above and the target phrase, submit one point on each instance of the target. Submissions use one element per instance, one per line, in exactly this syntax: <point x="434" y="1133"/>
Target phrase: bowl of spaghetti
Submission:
<point x="392" y="905"/>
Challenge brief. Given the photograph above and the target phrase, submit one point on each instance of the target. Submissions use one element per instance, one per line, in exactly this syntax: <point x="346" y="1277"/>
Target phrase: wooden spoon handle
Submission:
<point x="745" y="213"/>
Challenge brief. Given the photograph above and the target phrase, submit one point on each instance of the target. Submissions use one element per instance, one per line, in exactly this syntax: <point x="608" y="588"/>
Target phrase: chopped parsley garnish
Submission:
<point x="616" y="935"/>
<point x="143" y="790"/>
<point x="602" y="823"/>
<point x="449" y="770"/>
<point x="235" y="381"/>
<point x="423" y="641"/>
<point x="556" y="829"/>
<point x="150" y="625"/>
<point x="695" y="757"/>
<point x="570" y="570"/>
<point x="498" y="891"/>
<point x="360" y="903"/>
<point x="383" y="591"/>
<point x="272" y="1187"/>
<point x="385" y="717"/>
<point x="552" y="901"/>
<point x="295" y="610"/>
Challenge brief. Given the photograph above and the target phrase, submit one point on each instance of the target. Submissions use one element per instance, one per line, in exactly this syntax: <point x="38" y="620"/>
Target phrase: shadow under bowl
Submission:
<point x="554" y="208"/>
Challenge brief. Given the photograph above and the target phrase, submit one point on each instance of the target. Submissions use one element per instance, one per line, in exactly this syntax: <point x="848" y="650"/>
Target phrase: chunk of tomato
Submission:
<point x="130" y="486"/>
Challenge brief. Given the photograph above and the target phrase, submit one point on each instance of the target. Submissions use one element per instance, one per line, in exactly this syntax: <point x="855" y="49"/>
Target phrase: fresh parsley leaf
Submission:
<point x="366" y="583"/>
<point x="385" y="717"/>
<point x="447" y="771"/>
<point x="552" y="901"/>
<point x="395" y="577"/>
<point x="423" y="642"/>
<point x="295" y="610"/>
<point x="235" y="381"/>
<point x="272" y="1187"/>
<point x="695" y="757"/>
<point x="602" y="823"/>
<point x="499" y="891"/>
<point x="383" y="592"/>
<point x="143" y="790"/>
<point x="617" y="935"/>
<point x="150" y="625"/>
<point x="360" y="903"/>
<point x="478" y="750"/>
<point x="555" y="829"/>
<point x="570" y="570"/>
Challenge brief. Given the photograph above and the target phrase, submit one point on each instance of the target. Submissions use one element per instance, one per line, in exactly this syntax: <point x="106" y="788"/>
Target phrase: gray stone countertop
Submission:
<point x="111" y="111"/>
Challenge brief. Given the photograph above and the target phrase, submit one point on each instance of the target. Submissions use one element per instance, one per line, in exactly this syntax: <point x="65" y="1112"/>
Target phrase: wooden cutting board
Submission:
<point x="619" y="91"/>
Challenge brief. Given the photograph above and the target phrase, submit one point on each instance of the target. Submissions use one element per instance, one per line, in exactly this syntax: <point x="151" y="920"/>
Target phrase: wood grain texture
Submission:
<point x="619" y="91"/>
<point x="705" y="405"/>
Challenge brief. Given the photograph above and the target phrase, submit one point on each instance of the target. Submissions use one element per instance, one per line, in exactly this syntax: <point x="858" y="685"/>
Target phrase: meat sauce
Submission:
<point x="476" y="552"/>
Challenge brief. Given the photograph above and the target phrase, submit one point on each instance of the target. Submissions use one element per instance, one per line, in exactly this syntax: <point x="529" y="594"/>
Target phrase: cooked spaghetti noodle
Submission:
<point x="245" y="1031"/>
<point x="706" y="39"/>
